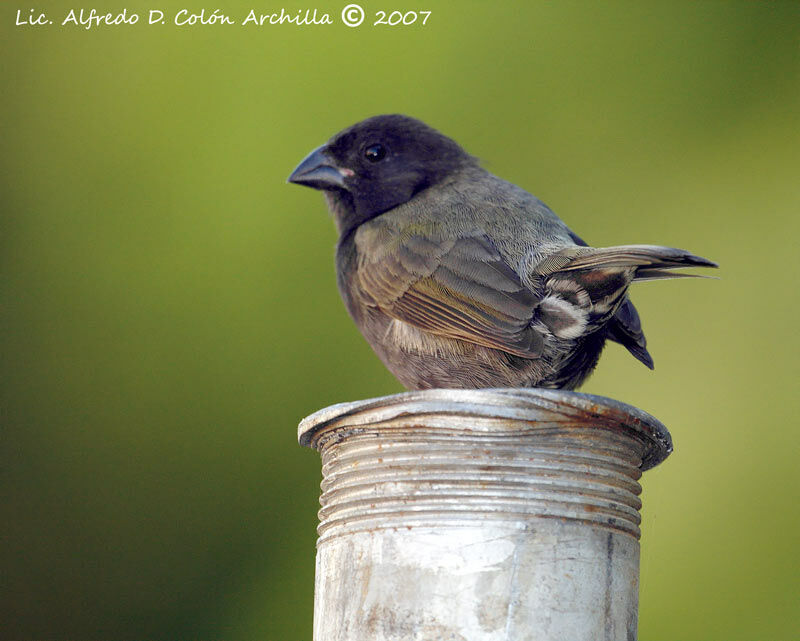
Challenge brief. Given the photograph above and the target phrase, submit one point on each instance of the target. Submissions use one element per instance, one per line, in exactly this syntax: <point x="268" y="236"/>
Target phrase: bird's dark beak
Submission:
<point x="318" y="170"/>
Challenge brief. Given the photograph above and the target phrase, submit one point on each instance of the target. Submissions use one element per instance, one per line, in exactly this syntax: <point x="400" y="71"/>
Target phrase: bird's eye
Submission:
<point x="374" y="153"/>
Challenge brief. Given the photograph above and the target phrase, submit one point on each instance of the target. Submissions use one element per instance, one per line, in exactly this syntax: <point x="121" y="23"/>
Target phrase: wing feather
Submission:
<point x="460" y="289"/>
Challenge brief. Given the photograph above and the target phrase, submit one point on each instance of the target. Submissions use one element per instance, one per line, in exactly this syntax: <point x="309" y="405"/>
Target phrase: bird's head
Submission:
<point x="378" y="164"/>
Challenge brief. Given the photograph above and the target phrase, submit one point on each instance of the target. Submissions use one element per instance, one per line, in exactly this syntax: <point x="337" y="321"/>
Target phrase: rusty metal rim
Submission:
<point x="568" y="409"/>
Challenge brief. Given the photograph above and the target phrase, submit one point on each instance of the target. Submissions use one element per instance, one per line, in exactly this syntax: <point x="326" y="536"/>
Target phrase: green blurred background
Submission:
<point x="169" y="308"/>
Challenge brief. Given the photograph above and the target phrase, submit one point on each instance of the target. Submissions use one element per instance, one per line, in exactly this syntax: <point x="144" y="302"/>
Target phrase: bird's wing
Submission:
<point x="604" y="275"/>
<point x="625" y="327"/>
<point x="456" y="288"/>
<point x="646" y="259"/>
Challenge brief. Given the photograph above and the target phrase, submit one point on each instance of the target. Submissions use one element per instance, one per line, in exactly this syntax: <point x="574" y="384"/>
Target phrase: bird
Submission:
<point x="460" y="279"/>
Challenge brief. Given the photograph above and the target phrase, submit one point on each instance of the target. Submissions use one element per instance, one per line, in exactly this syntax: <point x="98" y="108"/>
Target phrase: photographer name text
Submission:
<point x="351" y="15"/>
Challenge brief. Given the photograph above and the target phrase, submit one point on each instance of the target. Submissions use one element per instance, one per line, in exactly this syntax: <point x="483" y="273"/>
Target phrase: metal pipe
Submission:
<point x="503" y="514"/>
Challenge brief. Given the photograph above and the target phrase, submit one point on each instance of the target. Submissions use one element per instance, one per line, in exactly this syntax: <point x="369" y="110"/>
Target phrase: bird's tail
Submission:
<point x="652" y="262"/>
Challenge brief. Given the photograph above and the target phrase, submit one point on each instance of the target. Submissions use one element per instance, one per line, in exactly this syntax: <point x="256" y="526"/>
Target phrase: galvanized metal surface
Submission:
<point x="480" y="514"/>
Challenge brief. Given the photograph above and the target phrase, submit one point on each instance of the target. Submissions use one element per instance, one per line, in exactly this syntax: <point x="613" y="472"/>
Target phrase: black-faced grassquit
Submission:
<point x="460" y="279"/>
